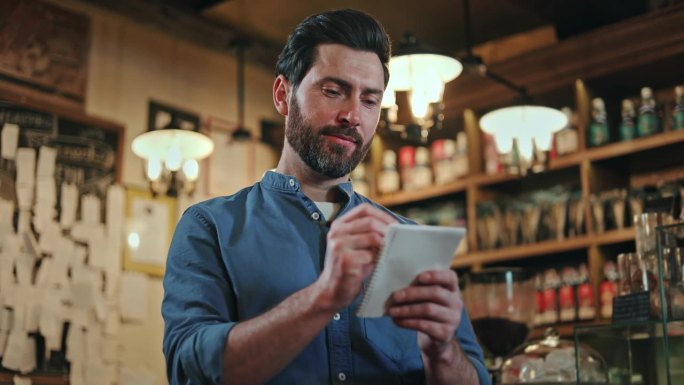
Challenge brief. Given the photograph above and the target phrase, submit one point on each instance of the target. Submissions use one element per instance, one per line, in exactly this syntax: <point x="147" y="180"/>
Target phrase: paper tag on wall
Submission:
<point x="10" y="141"/>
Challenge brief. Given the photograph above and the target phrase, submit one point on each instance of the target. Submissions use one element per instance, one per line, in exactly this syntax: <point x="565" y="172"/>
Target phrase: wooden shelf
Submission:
<point x="566" y="330"/>
<point x="6" y="378"/>
<point x="431" y="192"/>
<point x="543" y="248"/>
<point x="635" y="146"/>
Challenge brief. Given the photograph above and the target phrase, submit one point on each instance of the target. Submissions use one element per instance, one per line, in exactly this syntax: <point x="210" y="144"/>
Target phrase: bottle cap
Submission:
<point x="598" y="104"/>
<point x="646" y="93"/>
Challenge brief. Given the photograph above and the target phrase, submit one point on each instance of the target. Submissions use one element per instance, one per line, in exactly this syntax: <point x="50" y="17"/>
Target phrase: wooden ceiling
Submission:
<point x="438" y="23"/>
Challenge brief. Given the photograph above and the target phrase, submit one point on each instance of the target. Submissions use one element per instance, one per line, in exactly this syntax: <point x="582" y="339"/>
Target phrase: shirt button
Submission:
<point x="342" y="376"/>
<point x="336" y="317"/>
<point x="315" y="216"/>
<point x="292" y="182"/>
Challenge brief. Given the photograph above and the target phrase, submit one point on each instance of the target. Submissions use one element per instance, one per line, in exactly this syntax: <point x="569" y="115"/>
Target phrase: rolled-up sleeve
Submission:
<point x="466" y="338"/>
<point x="198" y="305"/>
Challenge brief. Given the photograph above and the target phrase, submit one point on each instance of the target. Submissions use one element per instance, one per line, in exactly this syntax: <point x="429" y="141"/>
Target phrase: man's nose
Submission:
<point x="349" y="113"/>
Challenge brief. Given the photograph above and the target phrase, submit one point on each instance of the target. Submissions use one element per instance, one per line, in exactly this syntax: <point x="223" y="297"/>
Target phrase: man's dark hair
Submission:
<point x="349" y="27"/>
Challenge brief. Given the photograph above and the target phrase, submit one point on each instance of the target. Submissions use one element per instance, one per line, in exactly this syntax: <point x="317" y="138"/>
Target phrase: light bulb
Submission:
<point x="134" y="240"/>
<point x="419" y="104"/>
<point x="173" y="158"/>
<point x="191" y="170"/>
<point x="154" y="169"/>
<point x="525" y="147"/>
<point x="389" y="98"/>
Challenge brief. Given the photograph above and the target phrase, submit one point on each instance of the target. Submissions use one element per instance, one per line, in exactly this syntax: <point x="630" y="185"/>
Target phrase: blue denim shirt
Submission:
<point x="233" y="258"/>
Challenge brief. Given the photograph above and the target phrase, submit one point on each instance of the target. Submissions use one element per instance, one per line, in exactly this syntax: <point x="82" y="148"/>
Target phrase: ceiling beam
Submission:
<point x="190" y="25"/>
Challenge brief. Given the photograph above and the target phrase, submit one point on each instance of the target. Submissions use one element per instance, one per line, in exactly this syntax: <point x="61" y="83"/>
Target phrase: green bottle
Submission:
<point x="678" y="112"/>
<point x="599" y="134"/>
<point x="628" y="122"/>
<point x="649" y="121"/>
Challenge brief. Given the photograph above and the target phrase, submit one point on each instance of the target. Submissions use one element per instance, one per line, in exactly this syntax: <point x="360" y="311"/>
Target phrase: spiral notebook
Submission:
<point x="409" y="250"/>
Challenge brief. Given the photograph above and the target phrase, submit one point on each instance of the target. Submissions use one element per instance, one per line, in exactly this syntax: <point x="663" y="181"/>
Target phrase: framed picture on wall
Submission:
<point x="161" y="116"/>
<point x="150" y="223"/>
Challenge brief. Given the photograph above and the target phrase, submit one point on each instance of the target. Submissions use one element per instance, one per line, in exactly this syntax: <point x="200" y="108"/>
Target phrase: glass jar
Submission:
<point x="552" y="360"/>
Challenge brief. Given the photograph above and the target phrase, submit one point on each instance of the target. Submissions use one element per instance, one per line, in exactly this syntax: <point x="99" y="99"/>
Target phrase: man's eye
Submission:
<point x="331" y="92"/>
<point x="371" y="102"/>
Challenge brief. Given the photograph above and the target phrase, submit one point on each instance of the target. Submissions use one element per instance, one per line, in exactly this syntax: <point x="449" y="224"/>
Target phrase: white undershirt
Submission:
<point x="328" y="209"/>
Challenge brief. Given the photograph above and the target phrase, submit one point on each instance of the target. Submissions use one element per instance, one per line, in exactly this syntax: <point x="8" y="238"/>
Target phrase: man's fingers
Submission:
<point x="445" y="278"/>
<point x="434" y="294"/>
<point x="438" y="332"/>
<point x="360" y="225"/>
<point x="426" y="310"/>
<point x="364" y="210"/>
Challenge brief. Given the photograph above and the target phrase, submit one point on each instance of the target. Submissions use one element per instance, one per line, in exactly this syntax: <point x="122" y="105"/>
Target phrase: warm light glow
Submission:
<point x="424" y="76"/>
<point x="408" y="70"/>
<point x="420" y="105"/>
<point x="523" y="123"/>
<point x="388" y="97"/>
<point x="133" y="240"/>
<point x="173" y="159"/>
<point x="191" y="170"/>
<point x="154" y="169"/>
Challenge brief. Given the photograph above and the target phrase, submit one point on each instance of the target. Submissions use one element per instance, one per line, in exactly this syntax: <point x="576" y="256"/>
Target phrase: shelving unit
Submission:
<point x="612" y="62"/>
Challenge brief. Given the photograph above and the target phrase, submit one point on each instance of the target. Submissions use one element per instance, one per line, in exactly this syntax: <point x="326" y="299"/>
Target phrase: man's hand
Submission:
<point x="432" y="306"/>
<point x="353" y="244"/>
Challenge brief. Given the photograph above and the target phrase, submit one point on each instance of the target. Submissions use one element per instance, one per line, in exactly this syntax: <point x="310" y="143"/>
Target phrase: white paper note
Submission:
<point x="69" y="203"/>
<point x="4" y="336"/>
<point x="90" y="209"/>
<point x="47" y="158"/>
<point x="10" y="141"/>
<point x="6" y="215"/>
<point x="26" y="166"/>
<point x="75" y="348"/>
<point x="16" y="380"/>
<point x="116" y="203"/>
<point x="133" y="296"/>
<point x="49" y="237"/>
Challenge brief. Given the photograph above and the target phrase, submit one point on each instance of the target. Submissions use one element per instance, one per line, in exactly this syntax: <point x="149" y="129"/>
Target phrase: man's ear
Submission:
<point x="281" y="92"/>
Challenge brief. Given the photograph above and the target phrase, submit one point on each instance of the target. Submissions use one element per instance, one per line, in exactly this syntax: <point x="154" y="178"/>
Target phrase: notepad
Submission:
<point x="409" y="250"/>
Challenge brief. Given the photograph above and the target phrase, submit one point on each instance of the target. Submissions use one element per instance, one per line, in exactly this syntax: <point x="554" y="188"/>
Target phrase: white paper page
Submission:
<point x="17" y="344"/>
<point x="49" y="237"/>
<point x="113" y="321"/>
<point x="50" y="326"/>
<point x="6" y="215"/>
<point x="24" y="269"/>
<point x="6" y="275"/>
<point x="28" y="359"/>
<point x="133" y="296"/>
<point x="16" y="380"/>
<point x="25" y="197"/>
<point x="93" y="342"/>
<point x="116" y="204"/>
<point x="4" y="336"/>
<point x="69" y="204"/>
<point x="10" y="141"/>
<point x="75" y="346"/>
<point x="95" y="372"/>
<point x="33" y="300"/>
<point x="110" y="350"/>
<point x="46" y="191"/>
<point x="90" y="209"/>
<point x="26" y="166"/>
<point x="408" y="251"/>
<point x="98" y="246"/>
<point x="6" y="319"/>
<point x="47" y="158"/>
<point x="31" y="246"/>
<point x="76" y="374"/>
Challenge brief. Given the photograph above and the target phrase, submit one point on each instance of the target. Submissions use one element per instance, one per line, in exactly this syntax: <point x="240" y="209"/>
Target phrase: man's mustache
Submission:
<point x="342" y="131"/>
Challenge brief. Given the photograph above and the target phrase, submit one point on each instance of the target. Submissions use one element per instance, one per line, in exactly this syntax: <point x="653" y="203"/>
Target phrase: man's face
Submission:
<point x="334" y="112"/>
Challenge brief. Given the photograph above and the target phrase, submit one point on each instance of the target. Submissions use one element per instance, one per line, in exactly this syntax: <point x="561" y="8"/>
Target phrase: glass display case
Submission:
<point x="651" y="351"/>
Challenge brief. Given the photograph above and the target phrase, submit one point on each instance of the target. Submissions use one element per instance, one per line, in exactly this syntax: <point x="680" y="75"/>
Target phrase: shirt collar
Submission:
<point x="275" y="180"/>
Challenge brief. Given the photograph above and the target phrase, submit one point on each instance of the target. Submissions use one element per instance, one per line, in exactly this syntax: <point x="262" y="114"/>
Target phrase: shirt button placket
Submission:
<point x="342" y="377"/>
<point x="315" y="216"/>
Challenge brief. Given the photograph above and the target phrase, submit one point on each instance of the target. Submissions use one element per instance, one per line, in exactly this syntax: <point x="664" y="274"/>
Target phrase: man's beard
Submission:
<point x="319" y="154"/>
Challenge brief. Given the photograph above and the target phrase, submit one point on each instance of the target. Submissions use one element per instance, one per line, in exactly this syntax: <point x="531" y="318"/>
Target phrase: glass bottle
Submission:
<point x="678" y="112"/>
<point x="388" y="178"/>
<point x="649" y="122"/>
<point x="628" y="122"/>
<point x="599" y="133"/>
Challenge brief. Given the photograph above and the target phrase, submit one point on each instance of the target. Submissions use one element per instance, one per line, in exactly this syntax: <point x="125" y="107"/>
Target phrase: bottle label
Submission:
<point x="585" y="302"/>
<point x="648" y="124"/>
<point x="607" y="291"/>
<point x="566" y="299"/>
<point x="598" y="134"/>
<point x="678" y="119"/>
